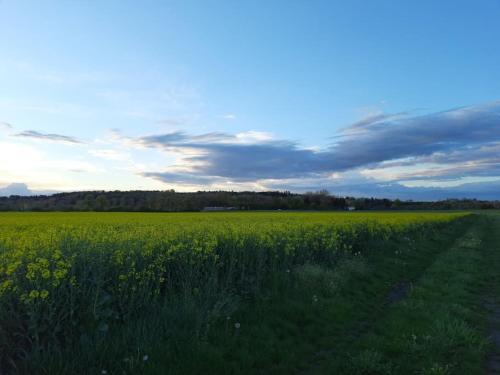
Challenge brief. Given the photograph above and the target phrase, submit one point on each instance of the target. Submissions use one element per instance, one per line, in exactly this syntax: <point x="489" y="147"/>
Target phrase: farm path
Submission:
<point x="492" y="297"/>
<point x="435" y="321"/>
<point x="380" y="310"/>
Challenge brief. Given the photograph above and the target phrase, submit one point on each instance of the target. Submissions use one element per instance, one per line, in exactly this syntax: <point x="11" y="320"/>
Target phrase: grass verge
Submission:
<point x="440" y="327"/>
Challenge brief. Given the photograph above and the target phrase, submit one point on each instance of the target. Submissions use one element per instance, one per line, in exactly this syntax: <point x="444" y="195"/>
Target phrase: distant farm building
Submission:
<point x="219" y="208"/>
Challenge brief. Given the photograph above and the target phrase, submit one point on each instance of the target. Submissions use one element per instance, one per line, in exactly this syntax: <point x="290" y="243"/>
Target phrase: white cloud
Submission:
<point x="109" y="154"/>
<point x="254" y="137"/>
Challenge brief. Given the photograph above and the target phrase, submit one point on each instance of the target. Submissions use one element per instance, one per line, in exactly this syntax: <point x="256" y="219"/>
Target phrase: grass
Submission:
<point x="436" y="329"/>
<point x="274" y="293"/>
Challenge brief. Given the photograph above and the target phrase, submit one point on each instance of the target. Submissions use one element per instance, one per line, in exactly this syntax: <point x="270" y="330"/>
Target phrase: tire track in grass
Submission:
<point x="435" y="329"/>
<point x="397" y="292"/>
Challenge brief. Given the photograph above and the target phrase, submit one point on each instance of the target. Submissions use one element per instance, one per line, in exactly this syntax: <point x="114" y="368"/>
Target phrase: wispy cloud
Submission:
<point x="48" y="136"/>
<point x="413" y="137"/>
<point x="5" y="125"/>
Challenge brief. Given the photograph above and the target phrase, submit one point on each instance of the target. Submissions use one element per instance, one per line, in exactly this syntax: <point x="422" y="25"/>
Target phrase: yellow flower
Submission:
<point x="59" y="274"/>
<point x="34" y="294"/>
<point x="6" y="285"/>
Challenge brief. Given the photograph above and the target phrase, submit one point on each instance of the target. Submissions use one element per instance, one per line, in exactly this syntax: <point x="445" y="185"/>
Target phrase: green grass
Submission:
<point x="244" y="293"/>
<point x="436" y="329"/>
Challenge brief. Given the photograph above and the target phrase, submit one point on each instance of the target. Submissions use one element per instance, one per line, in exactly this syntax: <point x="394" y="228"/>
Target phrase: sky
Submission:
<point x="399" y="99"/>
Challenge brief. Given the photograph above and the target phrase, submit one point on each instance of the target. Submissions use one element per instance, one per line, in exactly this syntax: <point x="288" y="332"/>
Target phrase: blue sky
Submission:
<point x="393" y="98"/>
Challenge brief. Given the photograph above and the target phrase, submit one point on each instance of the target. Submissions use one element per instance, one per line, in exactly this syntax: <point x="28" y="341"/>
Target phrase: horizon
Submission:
<point x="361" y="99"/>
<point x="22" y="190"/>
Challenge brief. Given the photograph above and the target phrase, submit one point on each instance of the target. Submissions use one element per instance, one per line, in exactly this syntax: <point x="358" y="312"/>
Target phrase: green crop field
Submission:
<point x="252" y="292"/>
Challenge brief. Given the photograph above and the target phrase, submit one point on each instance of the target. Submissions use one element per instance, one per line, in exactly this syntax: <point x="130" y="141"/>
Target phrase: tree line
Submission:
<point x="171" y="201"/>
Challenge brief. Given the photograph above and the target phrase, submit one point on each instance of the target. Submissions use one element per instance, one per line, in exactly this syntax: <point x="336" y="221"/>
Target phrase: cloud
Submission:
<point x="19" y="188"/>
<point x="384" y="150"/>
<point x="453" y="153"/>
<point x="15" y="189"/>
<point x="451" y="143"/>
<point x="229" y="116"/>
<point x="109" y="154"/>
<point x="5" y="125"/>
<point x="368" y="121"/>
<point x="48" y="137"/>
<point x="422" y="136"/>
<point x="240" y="157"/>
<point x="182" y="178"/>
